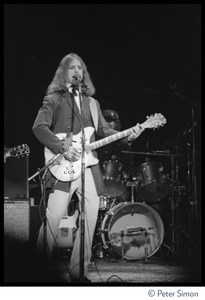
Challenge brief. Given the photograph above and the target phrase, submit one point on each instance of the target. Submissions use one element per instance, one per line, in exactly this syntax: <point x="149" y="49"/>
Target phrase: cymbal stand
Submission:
<point x="173" y="206"/>
<point x="177" y="225"/>
<point x="192" y="211"/>
<point x="175" y="202"/>
<point x="189" y="186"/>
<point x="193" y="201"/>
<point x="194" y="186"/>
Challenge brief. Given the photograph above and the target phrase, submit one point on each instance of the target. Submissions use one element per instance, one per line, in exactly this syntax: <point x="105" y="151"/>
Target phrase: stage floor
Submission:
<point x="164" y="267"/>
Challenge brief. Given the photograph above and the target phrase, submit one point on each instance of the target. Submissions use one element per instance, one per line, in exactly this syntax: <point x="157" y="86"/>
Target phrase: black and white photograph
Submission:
<point x="102" y="145"/>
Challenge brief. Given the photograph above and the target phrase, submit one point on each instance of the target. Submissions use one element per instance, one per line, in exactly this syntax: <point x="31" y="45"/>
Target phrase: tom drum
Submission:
<point x="114" y="177"/>
<point x="153" y="185"/>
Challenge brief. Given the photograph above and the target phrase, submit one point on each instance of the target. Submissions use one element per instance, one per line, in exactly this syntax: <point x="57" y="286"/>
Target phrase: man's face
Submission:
<point x="75" y="68"/>
<point x="113" y="125"/>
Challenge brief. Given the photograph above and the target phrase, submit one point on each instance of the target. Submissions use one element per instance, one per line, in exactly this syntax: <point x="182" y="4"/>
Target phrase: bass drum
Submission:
<point x="132" y="230"/>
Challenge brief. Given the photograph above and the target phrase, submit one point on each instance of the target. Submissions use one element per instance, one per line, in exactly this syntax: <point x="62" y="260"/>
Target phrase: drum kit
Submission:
<point x="128" y="224"/>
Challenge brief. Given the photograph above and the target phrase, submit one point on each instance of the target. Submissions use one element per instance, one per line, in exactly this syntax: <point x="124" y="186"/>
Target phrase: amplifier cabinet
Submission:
<point x="16" y="177"/>
<point x="16" y="220"/>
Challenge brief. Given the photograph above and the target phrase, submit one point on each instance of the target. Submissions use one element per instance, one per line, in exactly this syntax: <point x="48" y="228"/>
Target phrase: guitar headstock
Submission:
<point x="18" y="151"/>
<point x="154" y="121"/>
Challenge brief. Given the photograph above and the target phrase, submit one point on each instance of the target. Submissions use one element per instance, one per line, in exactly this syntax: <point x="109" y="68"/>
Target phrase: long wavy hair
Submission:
<point x="60" y="79"/>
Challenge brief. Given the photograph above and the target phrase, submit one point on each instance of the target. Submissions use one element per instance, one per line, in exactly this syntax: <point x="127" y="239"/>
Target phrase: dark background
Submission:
<point x="142" y="58"/>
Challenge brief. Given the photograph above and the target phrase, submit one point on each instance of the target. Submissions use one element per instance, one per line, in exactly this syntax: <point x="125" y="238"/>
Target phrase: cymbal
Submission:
<point x="155" y="153"/>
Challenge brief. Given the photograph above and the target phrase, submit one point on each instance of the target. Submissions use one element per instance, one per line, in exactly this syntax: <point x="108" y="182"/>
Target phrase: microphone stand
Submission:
<point x="82" y="220"/>
<point x="44" y="215"/>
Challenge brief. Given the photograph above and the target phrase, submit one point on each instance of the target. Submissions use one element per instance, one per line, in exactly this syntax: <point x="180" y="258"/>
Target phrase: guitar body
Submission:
<point x="70" y="171"/>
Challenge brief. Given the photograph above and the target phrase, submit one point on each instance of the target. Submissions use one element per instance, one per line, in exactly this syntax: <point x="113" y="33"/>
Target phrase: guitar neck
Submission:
<point x="110" y="139"/>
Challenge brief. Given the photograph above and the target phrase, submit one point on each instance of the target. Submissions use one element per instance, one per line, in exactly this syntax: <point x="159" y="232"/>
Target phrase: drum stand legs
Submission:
<point x="174" y="209"/>
<point x="182" y="237"/>
<point x="173" y="206"/>
<point x="98" y="245"/>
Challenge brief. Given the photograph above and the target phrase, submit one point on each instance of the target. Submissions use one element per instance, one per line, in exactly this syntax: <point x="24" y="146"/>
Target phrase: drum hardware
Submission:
<point x="126" y="175"/>
<point x="113" y="203"/>
<point x="132" y="184"/>
<point x="179" y="230"/>
<point x="103" y="202"/>
<point x="192" y="197"/>
<point x="176" y="191"/>
<point x="97" y="247"/>
<point x="107" y="203"/>
<point x="174" y="204"/>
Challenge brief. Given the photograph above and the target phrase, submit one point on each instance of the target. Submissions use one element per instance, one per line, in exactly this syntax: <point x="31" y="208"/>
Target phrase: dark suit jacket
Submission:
<point x="60" y="114"/>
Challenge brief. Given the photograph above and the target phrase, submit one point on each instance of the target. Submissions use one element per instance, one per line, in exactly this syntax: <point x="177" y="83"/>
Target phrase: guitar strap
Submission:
<point x="94" y="112"/>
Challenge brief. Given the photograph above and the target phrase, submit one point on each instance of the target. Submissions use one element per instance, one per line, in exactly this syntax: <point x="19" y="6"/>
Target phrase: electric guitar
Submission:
<point x="65" y="170"/>
<point x="17" y="151"/>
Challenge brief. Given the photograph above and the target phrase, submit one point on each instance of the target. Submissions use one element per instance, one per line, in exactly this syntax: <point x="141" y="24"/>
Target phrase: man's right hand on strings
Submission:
<point x="72" y="153"/>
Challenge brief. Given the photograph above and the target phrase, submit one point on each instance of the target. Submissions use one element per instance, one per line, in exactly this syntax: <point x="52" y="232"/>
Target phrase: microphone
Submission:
<point x="137" y="229"/>
<point x="76" y="79"/>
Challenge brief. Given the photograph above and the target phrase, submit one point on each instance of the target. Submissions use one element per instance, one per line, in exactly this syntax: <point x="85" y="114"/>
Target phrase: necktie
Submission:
<point x="72" y="89"/>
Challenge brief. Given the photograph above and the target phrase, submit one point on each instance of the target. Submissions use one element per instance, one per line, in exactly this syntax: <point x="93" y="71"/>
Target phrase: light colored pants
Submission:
<point x="57" y="207"/>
